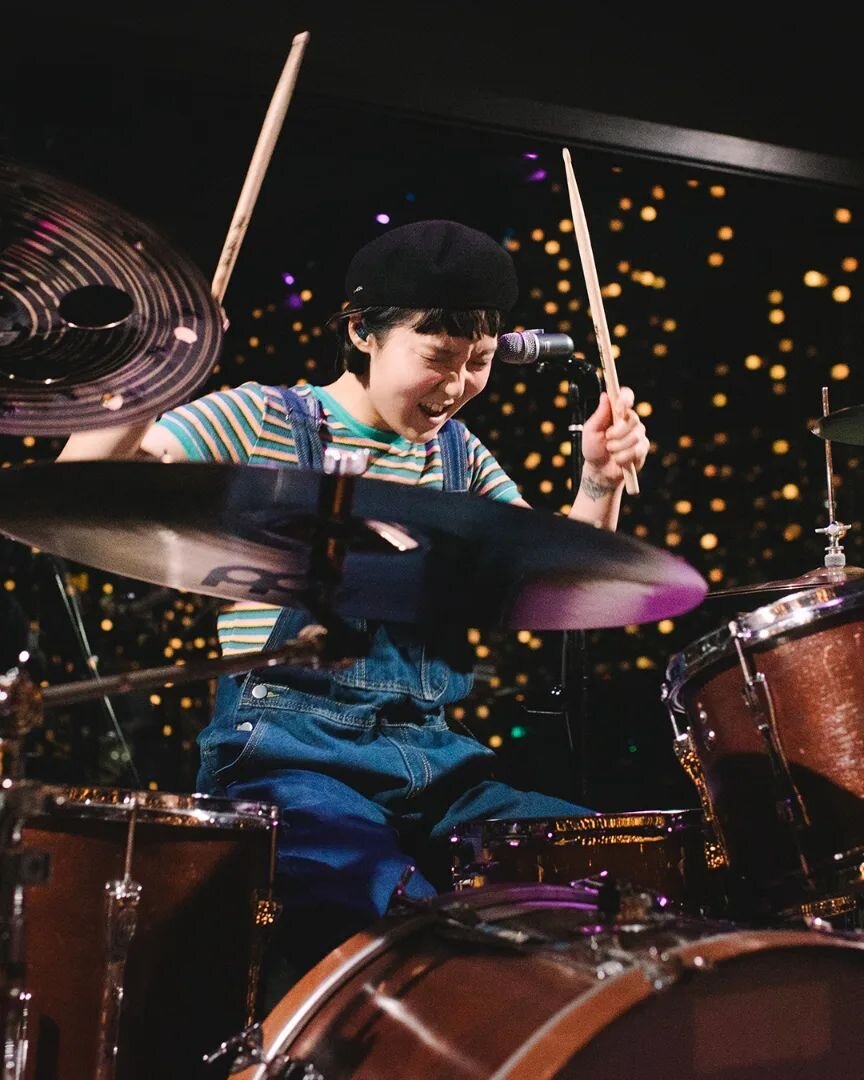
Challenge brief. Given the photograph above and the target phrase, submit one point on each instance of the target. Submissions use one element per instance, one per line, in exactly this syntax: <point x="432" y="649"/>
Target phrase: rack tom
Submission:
<point x="768" y="718"/>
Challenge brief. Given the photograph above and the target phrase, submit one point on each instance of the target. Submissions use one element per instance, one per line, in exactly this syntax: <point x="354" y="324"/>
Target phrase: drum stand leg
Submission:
<point x="267" y="910"/>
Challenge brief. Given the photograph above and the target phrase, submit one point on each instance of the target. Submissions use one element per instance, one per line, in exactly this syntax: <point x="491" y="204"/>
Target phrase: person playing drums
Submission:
<point x="367" y="774"/>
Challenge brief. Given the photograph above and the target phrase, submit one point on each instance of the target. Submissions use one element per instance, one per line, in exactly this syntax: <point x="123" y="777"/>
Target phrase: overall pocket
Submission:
<point x="400" y="662"/>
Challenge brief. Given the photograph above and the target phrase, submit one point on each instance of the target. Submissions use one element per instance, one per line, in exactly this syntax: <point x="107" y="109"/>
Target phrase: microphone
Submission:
<point x="528" y="346"/>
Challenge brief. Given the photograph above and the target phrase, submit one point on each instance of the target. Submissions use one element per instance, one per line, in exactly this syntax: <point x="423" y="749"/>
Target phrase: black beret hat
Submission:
<point x="432" y="264"/>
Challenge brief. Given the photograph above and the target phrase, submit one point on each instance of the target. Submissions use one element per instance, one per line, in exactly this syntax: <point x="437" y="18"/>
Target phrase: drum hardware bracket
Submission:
<point x="464" y="922"/>
<point x="714" y="844"/>
<point x="834" y="530"/>
<point x="248" y="1046"/>
<point x="122" y="898"/>
<point x="659" y="969"/>
<point x="399" y="901"/>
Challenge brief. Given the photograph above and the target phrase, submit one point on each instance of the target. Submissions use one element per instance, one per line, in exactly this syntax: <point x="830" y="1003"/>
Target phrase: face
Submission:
<point x="416" y="382"/>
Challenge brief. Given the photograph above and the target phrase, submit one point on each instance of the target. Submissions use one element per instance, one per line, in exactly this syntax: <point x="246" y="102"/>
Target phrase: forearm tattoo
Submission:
<point x="596" y="489"/>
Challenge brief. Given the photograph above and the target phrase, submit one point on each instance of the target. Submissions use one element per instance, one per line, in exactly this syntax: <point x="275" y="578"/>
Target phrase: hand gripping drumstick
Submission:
<point x="595" y="299"/>
<point x="258" y="166"/>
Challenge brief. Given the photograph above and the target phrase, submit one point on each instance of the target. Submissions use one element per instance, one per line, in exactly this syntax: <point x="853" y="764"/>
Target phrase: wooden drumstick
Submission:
<point x="595" y="299"/>
<point x="258" y="166"/>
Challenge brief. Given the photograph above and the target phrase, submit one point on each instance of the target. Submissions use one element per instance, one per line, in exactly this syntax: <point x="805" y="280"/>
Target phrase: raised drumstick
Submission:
<point x="595" y="299"/>
<point x="258" y="166"/>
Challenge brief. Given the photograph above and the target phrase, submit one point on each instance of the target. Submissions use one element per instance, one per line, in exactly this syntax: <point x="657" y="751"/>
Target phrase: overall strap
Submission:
<point x="454" y="457"/>
<point x="306" y="416"/>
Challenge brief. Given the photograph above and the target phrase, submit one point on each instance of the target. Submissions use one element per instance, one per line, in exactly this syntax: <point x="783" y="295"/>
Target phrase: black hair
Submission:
<point x="381" y="320"/>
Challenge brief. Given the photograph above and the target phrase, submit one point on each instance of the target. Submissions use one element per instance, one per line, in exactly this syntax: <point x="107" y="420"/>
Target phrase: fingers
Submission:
<point x="626" y="439"/>
<point x="626" y="400"/>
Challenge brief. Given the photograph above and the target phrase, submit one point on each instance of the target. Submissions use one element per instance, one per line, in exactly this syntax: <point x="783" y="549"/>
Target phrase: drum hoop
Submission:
<point x="795" y="612"/>
<point x="632" y="826"/>
<point x="158" y="807"/>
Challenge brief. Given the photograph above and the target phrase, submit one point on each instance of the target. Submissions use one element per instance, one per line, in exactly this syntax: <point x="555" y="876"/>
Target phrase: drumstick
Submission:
<point x="595" y="299"/>
<point x="258" y="166"/>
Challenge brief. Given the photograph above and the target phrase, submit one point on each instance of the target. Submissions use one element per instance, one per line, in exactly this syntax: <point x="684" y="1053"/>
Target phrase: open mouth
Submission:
<point x="435" y="410"/>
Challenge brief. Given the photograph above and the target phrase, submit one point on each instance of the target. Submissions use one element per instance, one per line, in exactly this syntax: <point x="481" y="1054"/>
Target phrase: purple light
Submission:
<point x="294" y="301"/>
<point x="289" y="279"/>
<point x="382" y="219"/>
<point x="531" y="156"/>
<point x="538" y="174"/>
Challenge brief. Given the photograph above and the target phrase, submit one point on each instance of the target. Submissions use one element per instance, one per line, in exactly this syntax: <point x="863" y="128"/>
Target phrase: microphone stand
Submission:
<point x="581" y="376"/>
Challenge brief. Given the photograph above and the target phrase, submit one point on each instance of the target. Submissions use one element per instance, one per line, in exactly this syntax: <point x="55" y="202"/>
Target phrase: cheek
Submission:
<point x="476" y="382"/>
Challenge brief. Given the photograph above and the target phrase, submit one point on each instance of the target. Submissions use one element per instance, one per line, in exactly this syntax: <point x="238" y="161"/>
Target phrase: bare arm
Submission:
<point x="123" y="444"/>
<point x="609" y="443"/>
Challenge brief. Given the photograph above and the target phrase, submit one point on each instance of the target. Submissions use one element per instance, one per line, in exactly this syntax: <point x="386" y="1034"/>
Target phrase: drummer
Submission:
<point x="369" y="777"/>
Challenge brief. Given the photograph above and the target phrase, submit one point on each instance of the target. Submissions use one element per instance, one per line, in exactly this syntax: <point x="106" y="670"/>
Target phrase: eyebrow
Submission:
<point x="442" y="350"/>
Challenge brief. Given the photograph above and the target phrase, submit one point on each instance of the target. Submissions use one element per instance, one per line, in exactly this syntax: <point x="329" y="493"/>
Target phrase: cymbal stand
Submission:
<point x="20" y="800"/>
<point x="73" y="610"/>
<point x="327" y="548"/>
<point x="834" y="530"/>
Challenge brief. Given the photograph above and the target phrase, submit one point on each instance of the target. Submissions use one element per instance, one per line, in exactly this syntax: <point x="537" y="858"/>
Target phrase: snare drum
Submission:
<point x="661" y="851"/>
<point x="768" y="714"/>
<point x="525" y="982"/>
<point x="142" y="988"/>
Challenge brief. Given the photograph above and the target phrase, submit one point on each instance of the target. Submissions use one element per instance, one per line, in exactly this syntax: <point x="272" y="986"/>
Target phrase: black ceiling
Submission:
<point x="775" y="81"/>
<point x="158" y="108"/>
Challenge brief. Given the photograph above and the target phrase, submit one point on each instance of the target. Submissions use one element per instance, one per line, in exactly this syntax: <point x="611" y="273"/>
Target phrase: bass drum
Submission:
<point x="524" y="982"/>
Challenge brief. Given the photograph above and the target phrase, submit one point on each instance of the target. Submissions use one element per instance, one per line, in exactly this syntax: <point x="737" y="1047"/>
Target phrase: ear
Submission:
<point x="358" y="334"/>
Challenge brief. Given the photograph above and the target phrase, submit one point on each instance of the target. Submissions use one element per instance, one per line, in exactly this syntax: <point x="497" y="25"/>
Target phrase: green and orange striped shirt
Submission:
<point x="247" y="425"/>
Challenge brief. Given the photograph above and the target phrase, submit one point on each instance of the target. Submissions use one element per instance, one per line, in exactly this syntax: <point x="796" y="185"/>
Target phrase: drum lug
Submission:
<point x="757" y="695"/>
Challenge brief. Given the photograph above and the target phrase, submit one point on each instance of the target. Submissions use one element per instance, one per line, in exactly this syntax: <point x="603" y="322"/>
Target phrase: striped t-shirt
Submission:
<point x="248" y="425"/>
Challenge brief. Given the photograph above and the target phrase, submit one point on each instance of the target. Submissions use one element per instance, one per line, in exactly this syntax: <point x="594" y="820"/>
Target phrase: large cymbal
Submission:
<point x="100" y="322"/>
<point x="244" y="532"/>
<point x="823" y="575"/>
<point x="844" y="425"/>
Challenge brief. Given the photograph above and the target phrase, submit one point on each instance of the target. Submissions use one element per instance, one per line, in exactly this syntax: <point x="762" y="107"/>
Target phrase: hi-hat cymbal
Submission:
<point x="243" y="532"/>
<point x="100" y="322"/>
<point x="844" y="425"/>
<point x="824" y="575"/>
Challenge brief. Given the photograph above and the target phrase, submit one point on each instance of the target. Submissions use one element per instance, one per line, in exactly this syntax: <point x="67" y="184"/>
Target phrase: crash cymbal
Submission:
<point x="824" y="575"/>
<point x="243" y="532"/>
<point x="844" y="425"/>
<point x="101" y="323"/>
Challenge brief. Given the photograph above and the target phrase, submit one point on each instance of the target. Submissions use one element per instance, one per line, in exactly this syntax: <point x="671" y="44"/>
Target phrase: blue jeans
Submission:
<point x="369" y="778"/>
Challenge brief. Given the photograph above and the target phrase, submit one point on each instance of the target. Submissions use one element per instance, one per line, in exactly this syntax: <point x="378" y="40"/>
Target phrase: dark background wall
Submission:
<point x="716" y="168"/>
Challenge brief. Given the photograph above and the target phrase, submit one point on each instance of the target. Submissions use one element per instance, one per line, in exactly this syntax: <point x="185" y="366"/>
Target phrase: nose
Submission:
<point x="454" y="383"/>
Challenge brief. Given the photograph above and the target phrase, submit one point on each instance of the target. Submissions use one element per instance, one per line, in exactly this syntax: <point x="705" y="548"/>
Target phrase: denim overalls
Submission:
<point x="361" y="762"/>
